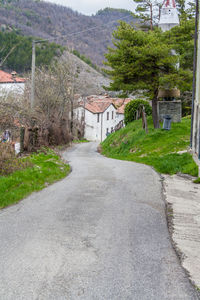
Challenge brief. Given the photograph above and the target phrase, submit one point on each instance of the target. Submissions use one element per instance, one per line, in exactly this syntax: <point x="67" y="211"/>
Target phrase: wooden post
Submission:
<point x="33" y="76"/>
<point x="144" y="120"/>
<point x="22" y="132"/>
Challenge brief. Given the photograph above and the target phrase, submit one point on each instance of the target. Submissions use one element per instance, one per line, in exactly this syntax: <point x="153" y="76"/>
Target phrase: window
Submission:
<point x="98" y="118"/>
<point x="107" y="115"/>
<point x="112" y="114"/>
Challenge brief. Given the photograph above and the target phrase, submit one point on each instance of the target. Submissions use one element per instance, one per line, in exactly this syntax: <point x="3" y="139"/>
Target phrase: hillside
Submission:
<point x="47" y="20"/>
<point x="89" y="81"/>
<point x="159" y="148"/>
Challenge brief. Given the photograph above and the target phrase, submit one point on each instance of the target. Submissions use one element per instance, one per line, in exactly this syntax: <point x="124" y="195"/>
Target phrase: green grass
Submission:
<point x="80" y="141"/>
<point x="158" y="148"/>
<point x="46" y="169"/>
<point x="197" y="180"/>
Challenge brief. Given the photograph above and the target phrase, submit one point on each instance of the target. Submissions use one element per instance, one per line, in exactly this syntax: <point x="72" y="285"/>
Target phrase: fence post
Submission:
<point x="22" y="132"/>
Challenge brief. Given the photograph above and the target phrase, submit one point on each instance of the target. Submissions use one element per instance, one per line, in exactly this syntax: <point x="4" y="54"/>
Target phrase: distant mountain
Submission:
<point x="47" y="20"/>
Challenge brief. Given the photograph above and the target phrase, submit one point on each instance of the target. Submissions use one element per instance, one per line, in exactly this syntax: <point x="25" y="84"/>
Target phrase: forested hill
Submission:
<point x="47" y="20"/>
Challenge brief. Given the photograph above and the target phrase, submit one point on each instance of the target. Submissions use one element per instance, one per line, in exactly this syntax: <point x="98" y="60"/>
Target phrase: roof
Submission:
<point x="98" y="104"/>
<point x="9" y="78"/>
<point x="170" y="3"/>
<point x="97" y="107"/>
<point x="120" y="110"/>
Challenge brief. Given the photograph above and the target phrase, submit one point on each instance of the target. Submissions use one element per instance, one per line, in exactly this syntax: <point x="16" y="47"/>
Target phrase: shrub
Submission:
<point x="130" y="113"/>
<point x="9" y="163"/>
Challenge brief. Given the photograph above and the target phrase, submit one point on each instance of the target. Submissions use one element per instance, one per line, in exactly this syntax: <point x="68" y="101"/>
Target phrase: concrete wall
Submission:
<point x="119" y="117"/>
<point x="14" y="88"/>
<point x="196" y="120"/>
<point x="107" y="125"/>
<point x="172" y="108"/>
<point x="168" y="19"/>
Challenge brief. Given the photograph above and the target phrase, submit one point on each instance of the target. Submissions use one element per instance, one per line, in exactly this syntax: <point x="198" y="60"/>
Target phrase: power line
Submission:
<point x="55" y="38"/>
<point x="83" y="31"/>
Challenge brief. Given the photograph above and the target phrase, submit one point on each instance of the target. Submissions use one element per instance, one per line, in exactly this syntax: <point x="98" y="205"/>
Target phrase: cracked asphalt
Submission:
<point x="100" y="233"/>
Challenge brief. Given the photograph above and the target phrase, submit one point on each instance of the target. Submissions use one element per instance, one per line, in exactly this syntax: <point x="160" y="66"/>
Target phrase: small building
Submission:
<point x="102" y="115"/>
<point x="196" y="111"/>
<point x="10" y="83"/>
<point x="168" y="15"/>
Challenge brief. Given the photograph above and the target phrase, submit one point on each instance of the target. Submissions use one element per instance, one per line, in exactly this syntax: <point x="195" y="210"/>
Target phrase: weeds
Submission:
<point x="42" y="169"/>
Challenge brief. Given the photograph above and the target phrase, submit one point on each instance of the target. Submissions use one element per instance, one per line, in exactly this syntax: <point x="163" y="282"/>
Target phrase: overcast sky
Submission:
<point x="89" y="7"/>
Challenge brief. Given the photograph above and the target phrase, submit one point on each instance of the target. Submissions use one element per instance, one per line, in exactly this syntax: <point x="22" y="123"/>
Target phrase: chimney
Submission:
<point x="14" y="75"/>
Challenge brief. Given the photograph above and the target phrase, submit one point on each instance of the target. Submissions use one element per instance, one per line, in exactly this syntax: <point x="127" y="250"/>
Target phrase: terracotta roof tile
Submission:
<point x="8" y="78"/>
<point x="97" y="107"/>
<point x="120" y="109"/>
<point x="98" y="104"/>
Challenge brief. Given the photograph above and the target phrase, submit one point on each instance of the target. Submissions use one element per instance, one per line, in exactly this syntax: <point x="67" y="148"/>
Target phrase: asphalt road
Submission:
<point x="100" y="233"/>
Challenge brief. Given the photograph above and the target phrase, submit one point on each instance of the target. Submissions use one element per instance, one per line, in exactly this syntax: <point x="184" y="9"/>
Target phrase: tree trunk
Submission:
<point x="155" y="110"/>
<point x="151" y="16"/>
<point x="72" y="118"/>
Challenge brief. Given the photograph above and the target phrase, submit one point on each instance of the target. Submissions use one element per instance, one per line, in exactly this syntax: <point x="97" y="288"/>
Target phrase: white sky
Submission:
<point x="89" y="7"/>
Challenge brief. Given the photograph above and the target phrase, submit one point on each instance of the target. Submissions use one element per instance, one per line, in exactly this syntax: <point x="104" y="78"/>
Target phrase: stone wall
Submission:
<point x="172" y="108"/>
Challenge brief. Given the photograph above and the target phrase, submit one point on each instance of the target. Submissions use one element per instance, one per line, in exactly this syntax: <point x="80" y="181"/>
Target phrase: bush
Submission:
<point x="132" y="107"/>
<point x="9" y="163"/>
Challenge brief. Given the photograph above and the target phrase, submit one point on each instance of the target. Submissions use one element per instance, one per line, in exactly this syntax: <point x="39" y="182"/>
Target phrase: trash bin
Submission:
<point x="167" y="119"/>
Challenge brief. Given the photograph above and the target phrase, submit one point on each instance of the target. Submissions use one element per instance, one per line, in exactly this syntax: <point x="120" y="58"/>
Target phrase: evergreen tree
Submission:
<point x="143" y="61"/>
<point x="17" y="50"/>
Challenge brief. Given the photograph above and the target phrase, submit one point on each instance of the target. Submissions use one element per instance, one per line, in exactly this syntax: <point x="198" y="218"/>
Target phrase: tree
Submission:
<point x="181" y="39"/>
<point x="148" y="11"/>
<point x="143" y="61"/>
<point x="16" y="52"/>
<point x="133" y="108"/>
<point x="186" y="9"/>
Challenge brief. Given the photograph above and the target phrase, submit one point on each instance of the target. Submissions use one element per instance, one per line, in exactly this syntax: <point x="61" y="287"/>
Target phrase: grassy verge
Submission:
<point x="197" y="180"/>
<point x="80" y="141"/>
<point x="44" y="169"/>
<point x="159" y="148"/>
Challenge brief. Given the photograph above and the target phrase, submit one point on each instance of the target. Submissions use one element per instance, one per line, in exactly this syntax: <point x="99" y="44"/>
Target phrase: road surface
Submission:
<point x="100" y="233"/>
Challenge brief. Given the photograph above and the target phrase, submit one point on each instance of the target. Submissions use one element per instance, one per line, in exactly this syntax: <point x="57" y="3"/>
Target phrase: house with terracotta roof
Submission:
<point x="10" y="83"/>
<point x="101" y="115"/>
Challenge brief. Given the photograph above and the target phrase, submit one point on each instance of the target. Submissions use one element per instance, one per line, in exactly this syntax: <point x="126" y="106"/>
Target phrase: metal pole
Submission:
<point x="33" y="76"/>
<point x="194" y="71"/>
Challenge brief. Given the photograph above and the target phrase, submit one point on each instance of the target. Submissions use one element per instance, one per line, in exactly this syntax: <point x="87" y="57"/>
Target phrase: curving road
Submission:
<point x="100" y="233"/>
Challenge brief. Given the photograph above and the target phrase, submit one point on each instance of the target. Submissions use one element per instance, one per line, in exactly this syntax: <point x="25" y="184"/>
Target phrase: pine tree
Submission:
<point x="143" y="61"/>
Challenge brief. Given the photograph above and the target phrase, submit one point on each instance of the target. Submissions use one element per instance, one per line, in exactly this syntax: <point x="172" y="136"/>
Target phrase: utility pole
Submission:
<point x="194" y="72"/>
<point x="32" y="100"/>
<point x="33" y="76"/>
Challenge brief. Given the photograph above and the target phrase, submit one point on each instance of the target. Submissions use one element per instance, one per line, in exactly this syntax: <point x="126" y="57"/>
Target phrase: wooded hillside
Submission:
<point x="46" y="20"/>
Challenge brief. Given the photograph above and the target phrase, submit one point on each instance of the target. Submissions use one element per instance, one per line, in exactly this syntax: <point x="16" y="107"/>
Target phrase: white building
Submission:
<point x="168" y="16"/>
<point x="11" y="84"/>
<point x="196" y="113"/>
<point x="101" y="116"/>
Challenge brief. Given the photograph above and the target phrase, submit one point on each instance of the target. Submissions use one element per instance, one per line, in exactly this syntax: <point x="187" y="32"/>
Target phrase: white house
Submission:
<point x="168" y="16"/>
<point x="101" y="116"/>
<point x="10" y="83"/>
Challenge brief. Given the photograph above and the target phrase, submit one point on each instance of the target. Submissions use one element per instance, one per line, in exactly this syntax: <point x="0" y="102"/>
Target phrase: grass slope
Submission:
<point x="46" y="168"/>
<point x="158" y="148"/>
